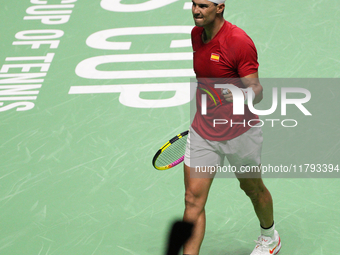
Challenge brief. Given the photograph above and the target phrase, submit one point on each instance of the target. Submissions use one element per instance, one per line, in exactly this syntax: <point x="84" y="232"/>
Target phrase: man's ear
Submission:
<point x="220" y="8"/>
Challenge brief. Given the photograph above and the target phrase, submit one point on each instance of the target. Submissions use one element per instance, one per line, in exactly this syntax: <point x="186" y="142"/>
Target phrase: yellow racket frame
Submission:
<point x="164" y="147"/>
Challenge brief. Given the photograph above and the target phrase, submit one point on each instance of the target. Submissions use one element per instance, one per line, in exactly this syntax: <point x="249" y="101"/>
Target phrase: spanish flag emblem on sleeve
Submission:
<point x="215" y="57"/>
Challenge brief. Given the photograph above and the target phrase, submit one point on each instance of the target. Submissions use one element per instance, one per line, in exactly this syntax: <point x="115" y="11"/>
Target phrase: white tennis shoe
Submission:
<point x="267" y="246"/>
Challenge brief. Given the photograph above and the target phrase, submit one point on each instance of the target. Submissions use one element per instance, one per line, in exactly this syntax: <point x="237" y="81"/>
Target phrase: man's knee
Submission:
<point x="252" y="188"/>
<point x="194" y="200"/>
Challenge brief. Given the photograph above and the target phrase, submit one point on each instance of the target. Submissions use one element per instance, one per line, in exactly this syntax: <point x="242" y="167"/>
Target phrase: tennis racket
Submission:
<point x="172" y="153"/>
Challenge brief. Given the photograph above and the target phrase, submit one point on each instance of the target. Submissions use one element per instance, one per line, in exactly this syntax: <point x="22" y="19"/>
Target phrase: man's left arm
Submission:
<point x="252" y="80"/>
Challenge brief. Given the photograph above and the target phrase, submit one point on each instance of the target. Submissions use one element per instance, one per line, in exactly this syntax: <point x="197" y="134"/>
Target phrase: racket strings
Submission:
<point x="175" y="151"/>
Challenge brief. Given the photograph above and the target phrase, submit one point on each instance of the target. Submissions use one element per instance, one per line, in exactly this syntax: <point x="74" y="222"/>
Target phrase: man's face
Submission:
<point x="204" y="12"/>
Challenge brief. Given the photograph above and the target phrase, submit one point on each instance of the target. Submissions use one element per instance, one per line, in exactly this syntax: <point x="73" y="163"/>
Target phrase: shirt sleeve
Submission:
<point x="245" y="55"/>
<point x="195" y="36"/>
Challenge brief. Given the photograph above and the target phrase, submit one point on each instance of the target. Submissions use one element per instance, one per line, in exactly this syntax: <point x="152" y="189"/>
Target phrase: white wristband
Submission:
<point x="245" y="91"/>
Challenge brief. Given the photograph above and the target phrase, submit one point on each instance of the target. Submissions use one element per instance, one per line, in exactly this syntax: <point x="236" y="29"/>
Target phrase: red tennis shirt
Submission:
<point x="231" y="54"/>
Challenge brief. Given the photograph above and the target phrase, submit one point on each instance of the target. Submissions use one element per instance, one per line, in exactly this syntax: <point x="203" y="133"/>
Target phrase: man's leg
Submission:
<point x="196" y="194"/>
<point x="253" y="186"/>
<point x="269" y="241"/>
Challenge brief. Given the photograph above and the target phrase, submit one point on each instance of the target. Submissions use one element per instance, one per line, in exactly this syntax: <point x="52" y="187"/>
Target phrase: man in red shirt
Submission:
<point x="224" y="51"/>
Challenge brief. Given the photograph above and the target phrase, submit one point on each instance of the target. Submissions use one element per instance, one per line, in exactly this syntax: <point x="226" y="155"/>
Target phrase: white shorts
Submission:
<point x="244" y="150"/>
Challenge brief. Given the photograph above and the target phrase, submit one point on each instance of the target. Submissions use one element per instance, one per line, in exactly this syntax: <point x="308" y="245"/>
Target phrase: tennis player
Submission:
<point x="222" y="50"/>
